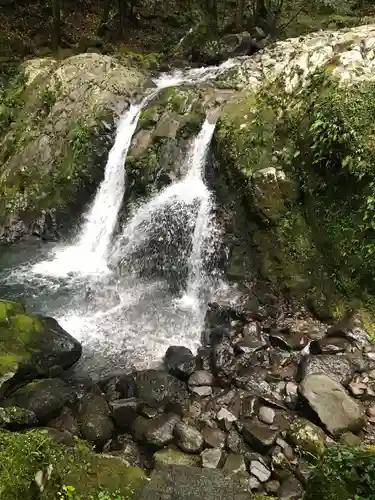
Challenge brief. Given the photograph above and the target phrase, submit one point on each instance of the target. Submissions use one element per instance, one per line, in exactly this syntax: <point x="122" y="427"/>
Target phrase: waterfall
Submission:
<point x="127" y="298"/>
<point x="101" y="219"/>
<point x="173" y="223"/>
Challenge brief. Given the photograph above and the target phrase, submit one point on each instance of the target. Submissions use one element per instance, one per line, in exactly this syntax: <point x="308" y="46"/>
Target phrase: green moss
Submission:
<point x="26" y="326"/>
<point x="10" y="308"/>
<point x="11" y="100"/>
<point x="84" y="472"/>
<point x="323" y="140"/>
<point x="19" y="335"/>
<point x="147" y="118"/>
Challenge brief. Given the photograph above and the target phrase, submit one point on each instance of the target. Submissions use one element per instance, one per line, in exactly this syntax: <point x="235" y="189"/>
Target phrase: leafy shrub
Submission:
<point x="344" y="474"/>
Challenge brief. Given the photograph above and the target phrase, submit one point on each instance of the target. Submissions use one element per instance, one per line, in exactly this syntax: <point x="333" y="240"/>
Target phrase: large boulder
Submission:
<point x="337" y="411"/>
<point x="44" y="398"/>
<point x="31" y="346"/>
<point x="214" y="51"/>
<point x="56" y="126"/>
<point x="95" y="420"/>
<point x="157" y="389"/>
<point x="36" y="465"/>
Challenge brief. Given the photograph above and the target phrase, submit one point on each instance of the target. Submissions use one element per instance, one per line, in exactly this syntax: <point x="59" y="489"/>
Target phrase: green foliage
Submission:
<point x="70" y="493"/>
<point x="336" y="124"/>
<point x="77" y="473"/>
<point x="11" y="99"/>
<point x="344" y="474"/>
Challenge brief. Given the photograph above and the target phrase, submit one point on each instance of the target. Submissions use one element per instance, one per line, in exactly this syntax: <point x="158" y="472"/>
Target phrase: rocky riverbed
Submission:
<point x="255" y="410"/>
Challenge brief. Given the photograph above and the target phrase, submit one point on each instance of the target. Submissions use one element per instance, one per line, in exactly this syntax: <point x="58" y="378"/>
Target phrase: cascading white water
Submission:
<point x="101" y="219"/>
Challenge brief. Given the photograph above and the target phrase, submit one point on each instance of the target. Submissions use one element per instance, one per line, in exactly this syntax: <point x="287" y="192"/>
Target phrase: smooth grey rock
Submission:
<point x="266" y="414"/>
<point x="160" y="429"/>
<point x="234" y="464"/>
<point x="335" y="408"/>
<point x="157" y="388"/>
<point x="224" y="414"/>
<point x="260" y="471"/>
<point x="200" y="378"/>
<point x="124" y="413"/>
<point x="211" y="458"/>
<point x="94" y="417"/>
<point x="288" y="342"/>
<point x="259" y="436"/>
<point x="202" y="392"/>
<point x="189" y="439"/>
<point x="214" y="438"/>
<point x="291" y="489"/>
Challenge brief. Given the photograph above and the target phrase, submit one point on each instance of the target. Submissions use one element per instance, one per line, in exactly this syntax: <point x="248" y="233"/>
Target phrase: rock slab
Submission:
<point x="337" y="411"/>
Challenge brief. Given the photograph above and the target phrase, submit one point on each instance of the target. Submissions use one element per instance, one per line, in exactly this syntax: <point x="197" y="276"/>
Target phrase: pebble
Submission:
<point x="200" y="378"/>
<point x="202" y="392"/>
<point x="258" y="470"/>
<point x="211" y="458"/>
<point x="254" y="483"/>
<point x="272" y="487"/>
<point x="234" y="464"/>
<point x="266" y="414"/>
<point x="214" y="438"/>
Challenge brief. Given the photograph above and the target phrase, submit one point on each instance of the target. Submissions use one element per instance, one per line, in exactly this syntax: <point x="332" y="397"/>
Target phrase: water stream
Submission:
<point x="128" y="297"/>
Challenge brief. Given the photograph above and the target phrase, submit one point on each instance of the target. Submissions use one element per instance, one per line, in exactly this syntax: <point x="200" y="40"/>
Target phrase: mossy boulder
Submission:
<point x="31" y="346"/>
<point x="308" y="438"/>
<point x="34" y="465"/>
<point x="56" y="127"/>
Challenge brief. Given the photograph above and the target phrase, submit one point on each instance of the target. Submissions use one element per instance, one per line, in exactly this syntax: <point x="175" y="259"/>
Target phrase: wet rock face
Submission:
<point x="76" y="102"/>
<point x="157" y="388"/>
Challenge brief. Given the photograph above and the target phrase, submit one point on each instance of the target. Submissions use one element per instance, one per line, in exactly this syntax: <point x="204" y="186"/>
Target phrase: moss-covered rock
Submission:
<point x="308" y="438"/>
<point x="31" y="346"/>
<point x="35" y="466"/>
<point x="164" y="129"/>
<point x="56" y="126"/>
<point x="15" y="417"/>
<point x="285" y="163"/>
